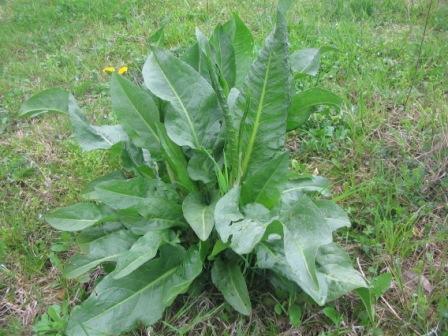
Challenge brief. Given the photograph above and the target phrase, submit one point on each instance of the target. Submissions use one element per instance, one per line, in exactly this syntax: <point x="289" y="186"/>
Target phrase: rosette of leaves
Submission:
<point x="205" y="183"/>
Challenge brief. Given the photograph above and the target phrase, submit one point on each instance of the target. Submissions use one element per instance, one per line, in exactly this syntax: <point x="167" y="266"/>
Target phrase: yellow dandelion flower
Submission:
<point x="109" y="69"/>
<point x="123" y="70"/>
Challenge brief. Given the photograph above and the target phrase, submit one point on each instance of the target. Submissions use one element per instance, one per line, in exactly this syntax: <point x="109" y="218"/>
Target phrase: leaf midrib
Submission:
<point x="236" y="288"/>
<point x="139" y="114"/>
<point x="184" y="109"/>
<point x="257" y="117"/>
<point x="152" y="283"/>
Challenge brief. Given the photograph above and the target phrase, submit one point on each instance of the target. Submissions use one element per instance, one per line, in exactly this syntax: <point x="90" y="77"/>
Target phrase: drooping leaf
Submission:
<point x="140" y="225"/>
<point x="97" y="231"/>
<point x="144" y="249"/>
<point x="150" y="197"/>
<point x="334" y="215"/>
<point x="246" y="227"/>
<point x="193" y="116"/>
<point x="305" y="229"/>
<point x="303" y="105"/>
<point x="223" y="55"/>
<point x="89" y="137"/>
<point x="227" y="277"/>
<point x="307" y="61"/>
<point x="103" y="249"/>
<point x="199" y="215"/>
<point x="264" y="100"/>
<point x="75" y="217"/>
<point x="340" y="276"/>
<point x="308" y="184"/>
<point x="117" y="305"/>
<point x="243" y="45"/>
<point x="51" y="100"/>
<point x="334" y="272"/>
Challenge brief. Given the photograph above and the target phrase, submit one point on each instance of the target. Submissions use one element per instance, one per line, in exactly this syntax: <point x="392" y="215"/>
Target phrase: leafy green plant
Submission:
<point x="53" y="322"/>
<point x="205" y="185"/>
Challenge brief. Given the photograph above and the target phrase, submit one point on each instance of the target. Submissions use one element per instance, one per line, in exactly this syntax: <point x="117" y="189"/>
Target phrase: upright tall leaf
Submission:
<point x="139" y="115"/>
<point x="223" y="54"/>
<point x="117" y="305"/>
<point x="193" y="116"/>
<point x="88" y="136"/>
<point x="227" y="277"/>
<point x="264" y="101"/>
<point x="243" y="45"/>
<point x="137" y="112"/>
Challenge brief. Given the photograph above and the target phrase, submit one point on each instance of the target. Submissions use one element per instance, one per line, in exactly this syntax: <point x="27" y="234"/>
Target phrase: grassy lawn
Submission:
<point x="386" y="151"/>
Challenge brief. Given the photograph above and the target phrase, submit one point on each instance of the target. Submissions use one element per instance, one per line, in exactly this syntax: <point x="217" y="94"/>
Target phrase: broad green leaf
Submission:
<point x="264" y="101"/>
<point x="138" y="161"/>
<point x="307" y="61"/>
<point x="117" y="305"/>
<point x="333" y="315"/>
<point x="139" y="115"/>
<point x="227" y="277"/>
<point x="243" y="45"/>
<point x="201" y="168"/>
<point x="246" y="227"/>
<point x="381" y="284"/>
<point x="265" y="181"/>
<point x="340" y="276"/>
<point x="149" y="196"/>
<point x="308" y="184"/>
<point x="75" y="217"/>
<point x="303" y="104"/>
<point x="295" y="315"/>
<point x="334" y="215"/>
<point x="271" y="256"/>
<point x="97" y="231"/>
<point x="193" y="116"/>
<point x="199" y="215"/>
<point x="136" y="112"/>
<point x="305" y="229"/>
<point x="51" y="100"/>
<point x="140" y="225"/>
<point x="223" y="55"/>
<point x="366" y="297"/>
<point x="144" y="249"/>
<point x="103" y="249"/>
<point x="89" y="137"/>
<point x="334" y="272"/>
<point x="115" y="175"/>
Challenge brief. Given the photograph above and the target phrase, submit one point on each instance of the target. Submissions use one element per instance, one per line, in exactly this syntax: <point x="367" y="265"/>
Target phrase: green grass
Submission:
<point x="386" y="151"/>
